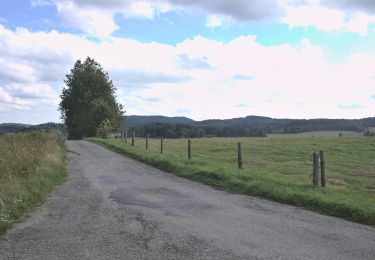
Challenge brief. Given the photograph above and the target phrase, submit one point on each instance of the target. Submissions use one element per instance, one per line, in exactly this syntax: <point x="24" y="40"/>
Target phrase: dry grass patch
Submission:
<point x="31" y="165"/>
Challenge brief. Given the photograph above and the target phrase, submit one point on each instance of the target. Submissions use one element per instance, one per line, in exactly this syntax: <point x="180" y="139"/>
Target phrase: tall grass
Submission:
<point x="276" y="168"/>
<point x="31" y="165"/>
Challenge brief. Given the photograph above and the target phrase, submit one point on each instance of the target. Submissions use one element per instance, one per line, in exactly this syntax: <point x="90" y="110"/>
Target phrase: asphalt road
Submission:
<point x="113" y="207"/>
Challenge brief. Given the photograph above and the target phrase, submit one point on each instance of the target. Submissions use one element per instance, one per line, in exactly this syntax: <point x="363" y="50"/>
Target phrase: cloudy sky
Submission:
<point x="201" y="59"/>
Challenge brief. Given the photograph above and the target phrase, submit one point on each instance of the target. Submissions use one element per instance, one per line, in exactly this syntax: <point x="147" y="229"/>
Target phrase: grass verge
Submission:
<point x="31" y="165"/>
<point x="279" y="170"/>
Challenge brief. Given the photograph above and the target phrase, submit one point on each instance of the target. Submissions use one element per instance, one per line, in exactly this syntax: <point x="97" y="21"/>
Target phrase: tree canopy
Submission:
<point x="88" y="100"/>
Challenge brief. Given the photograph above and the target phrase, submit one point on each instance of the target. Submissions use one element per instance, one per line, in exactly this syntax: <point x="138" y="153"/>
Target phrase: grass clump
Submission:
<point x="276" y="168"/>
<point x="31" y="165"/>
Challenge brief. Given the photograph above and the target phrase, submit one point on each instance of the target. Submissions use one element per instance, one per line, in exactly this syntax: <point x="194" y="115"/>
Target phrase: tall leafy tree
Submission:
<point x="88" y="100"/>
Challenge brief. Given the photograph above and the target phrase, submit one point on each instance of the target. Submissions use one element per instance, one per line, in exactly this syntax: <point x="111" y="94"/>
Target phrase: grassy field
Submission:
<point x="323" y="134"/>
<point x="277" y="168"/>
<point x="31" y="165"/>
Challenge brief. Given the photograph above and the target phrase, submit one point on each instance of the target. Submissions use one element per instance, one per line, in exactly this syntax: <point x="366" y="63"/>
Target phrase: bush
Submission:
<point x="104" y="130"/>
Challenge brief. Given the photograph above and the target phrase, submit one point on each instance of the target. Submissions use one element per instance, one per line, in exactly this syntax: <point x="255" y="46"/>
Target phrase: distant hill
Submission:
<point x="12" y="127"/>
<point x="133" y="121"/>
<point x="17" y="128"/>
<point x="267" y="124"/>
<point x="242" y="126"/>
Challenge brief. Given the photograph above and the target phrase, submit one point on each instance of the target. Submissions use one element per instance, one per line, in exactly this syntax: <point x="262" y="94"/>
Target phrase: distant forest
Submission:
<point x="170" y="130"/>
<point x="180" y="127"/>
<point x="20" y="128"/>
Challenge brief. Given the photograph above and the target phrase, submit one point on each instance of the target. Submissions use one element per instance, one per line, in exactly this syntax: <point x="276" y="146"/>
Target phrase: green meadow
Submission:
<point x="277" y="168"/>
<point x="31" y="165"/>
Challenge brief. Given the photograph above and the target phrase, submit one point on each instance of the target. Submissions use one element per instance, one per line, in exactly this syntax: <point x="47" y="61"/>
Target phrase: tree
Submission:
<point x="88" y="100"/>
<point x="104" y="130"/>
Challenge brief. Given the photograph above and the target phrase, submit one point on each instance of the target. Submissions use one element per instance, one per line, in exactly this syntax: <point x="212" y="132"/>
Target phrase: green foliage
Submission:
<point x="88" y="100"/>
<point x="170" y="130"/>
<point x="31" y="165"/>
<point x="104" y="130"/>
<point x="277" y="167"/>
<point x="244" y="126"/>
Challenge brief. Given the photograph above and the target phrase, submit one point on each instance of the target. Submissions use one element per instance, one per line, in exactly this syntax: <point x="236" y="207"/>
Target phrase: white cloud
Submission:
<point x="320" y="17"/>
<point x="9" y="103"/>
<point x="36" y="3"/>
<point x="30" y="65"/>
<point x="97" y="17"/>
<point x="91" y="21"/>
<point x="142" y="9"/>
<point x="327" y="19"/>
<point x="195" y="76"/>
<point x="26" y="96"/>
<point x="285" y="82"/>
<point x="4" y="96"/>
<point x="240" y="10"/>
<point x="359" y="23"/>
<point x="367" y="6"/>
<point x="12" y="71"/>
<point x="214" y="21"/>
<point x="33" y="91"/>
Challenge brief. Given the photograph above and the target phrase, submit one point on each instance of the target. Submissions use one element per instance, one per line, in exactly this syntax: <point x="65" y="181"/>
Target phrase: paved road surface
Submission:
<point x="113" y="207"/>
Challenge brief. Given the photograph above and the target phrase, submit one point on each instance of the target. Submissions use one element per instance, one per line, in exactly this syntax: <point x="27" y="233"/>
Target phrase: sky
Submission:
<point x="201" y="59"/>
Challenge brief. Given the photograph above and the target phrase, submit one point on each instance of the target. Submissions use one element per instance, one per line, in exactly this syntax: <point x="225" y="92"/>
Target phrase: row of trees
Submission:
<point x="247" y="127"/>
<point x="242" y="126"/>
<point x="300" y="126"/>
<point x="191" y="131"/>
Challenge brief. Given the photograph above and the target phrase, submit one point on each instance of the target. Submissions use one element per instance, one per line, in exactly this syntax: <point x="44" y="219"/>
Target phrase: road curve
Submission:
<point x="113" y="207"/>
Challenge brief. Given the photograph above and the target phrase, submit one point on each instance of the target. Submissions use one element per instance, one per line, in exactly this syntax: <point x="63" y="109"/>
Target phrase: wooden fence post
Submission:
<point x="322" y="169"/>
<point x="126" y="136"/>
<point x="161" y="145"/>
<point x="239" y="152"/>
<point x="189" y="149"/>
<point x="133" y="138"/>
<point x="315" y="170"/>
<point x="146" y="141"/>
